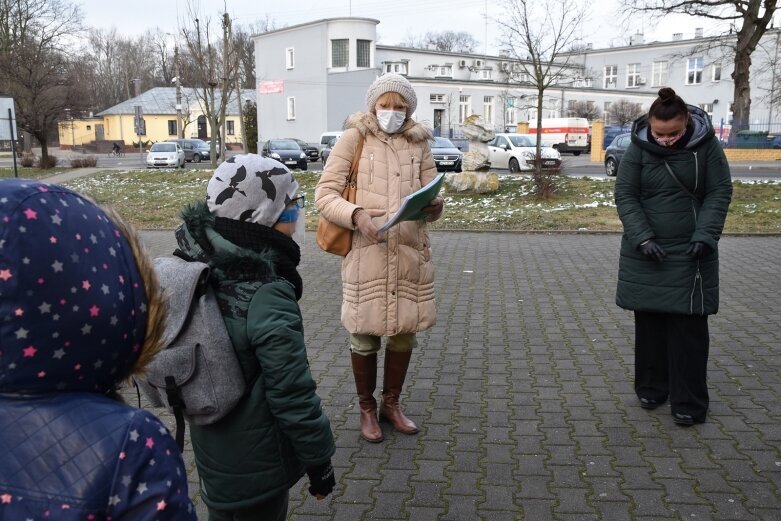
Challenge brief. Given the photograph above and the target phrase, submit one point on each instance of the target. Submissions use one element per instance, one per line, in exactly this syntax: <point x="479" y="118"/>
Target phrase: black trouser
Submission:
<point x="671" y="359"/>
<point x="274" y="509"/>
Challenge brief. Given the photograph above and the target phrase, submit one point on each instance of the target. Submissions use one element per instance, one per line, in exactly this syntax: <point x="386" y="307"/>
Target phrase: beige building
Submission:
<point x="158" y="105"/>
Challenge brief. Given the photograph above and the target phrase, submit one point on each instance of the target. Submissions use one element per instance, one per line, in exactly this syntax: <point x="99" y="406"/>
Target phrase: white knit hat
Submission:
<point x="392" y="83"/>
<point x="251" y="188"/>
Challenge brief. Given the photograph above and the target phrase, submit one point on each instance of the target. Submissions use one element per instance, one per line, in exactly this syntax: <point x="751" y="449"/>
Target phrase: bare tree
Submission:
<point x="624" y="111"/>
<point x="538" y="35"/>
<point x="583" y="109"/>
<point x="202" y="47"/>
<point x="447" y="41"/>
<point x="752" y="17"/>
<point x="35" y="65"/>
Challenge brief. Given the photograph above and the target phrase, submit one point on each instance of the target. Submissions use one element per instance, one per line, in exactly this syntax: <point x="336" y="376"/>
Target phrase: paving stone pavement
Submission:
<point x="523" y="391"/>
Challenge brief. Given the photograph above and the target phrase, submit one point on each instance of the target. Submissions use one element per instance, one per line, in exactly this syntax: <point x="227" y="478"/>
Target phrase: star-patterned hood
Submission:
<point x="80" y="308"/>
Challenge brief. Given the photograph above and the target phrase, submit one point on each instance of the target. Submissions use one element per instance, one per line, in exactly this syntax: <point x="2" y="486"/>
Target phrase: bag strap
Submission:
<point x="356" y="160"/>
<point x="679" y="183"/>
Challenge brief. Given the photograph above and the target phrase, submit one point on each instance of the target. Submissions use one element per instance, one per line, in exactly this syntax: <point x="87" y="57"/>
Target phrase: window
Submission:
<point x="340" y="53"/>
<point x="707" y="108"/>
<point x="488" y="109"/>
<point x="444" y="71"/>
<point x="694" y="71"/>
<point x="606" y="112"/>
<point x="291" y="108"/>
<point x="464" y="108"/>
<point x="509" y="113"/>
<point x="171" y="127"/>
<point x="398" y="68"/>
<point x="611" y="76"/>
<point x="484" y="74"/>
<point x="363" y="53"/>
<point x="633" y="75"/>
<point x="659" y="74"/>
<point x="290" y="58"/>
<point x="436" y="98"/>
<point x="230" y="127"/>
<point x="716" y="75"/>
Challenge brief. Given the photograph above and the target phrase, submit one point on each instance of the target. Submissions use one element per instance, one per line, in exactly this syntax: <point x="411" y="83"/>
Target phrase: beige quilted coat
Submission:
<point x="387" y="288"/>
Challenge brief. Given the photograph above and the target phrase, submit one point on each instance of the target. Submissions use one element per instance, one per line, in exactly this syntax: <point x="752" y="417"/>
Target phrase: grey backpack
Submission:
<point x="197" y="375"/>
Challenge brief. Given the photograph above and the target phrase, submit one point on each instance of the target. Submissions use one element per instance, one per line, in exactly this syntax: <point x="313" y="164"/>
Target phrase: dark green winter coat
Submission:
<point x="652" y="205"/>
<point x="262" y="447"/>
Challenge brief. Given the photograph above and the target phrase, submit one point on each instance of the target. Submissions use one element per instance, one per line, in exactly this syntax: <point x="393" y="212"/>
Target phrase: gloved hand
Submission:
<point x="696" y="250"/>
<point x="363" y="223"/>
<point x="321" y="480"/>
<point x="434" y="210"/>
<point x="652" y="250"/>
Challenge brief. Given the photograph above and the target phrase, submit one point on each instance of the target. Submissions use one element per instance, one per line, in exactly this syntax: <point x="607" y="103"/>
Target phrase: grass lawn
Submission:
<point x="31" y="173"/>
<point x="153" y="199"/>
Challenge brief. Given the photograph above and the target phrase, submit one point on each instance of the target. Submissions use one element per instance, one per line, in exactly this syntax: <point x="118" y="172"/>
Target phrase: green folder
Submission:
<point x="411" y="206"/>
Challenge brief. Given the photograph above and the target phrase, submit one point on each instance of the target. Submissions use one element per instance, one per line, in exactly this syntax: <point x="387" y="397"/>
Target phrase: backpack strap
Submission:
<point x="174" y="395"/>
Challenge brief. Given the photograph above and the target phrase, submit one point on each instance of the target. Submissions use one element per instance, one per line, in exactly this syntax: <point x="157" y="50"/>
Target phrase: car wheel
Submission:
<point x="611" y="168"/>
<point x="196" y="158"/>
<point x="513" y="165"/>
<point x="576" y="153"/>
<point x="303" y="165"/>
<point x="182" y="165"/>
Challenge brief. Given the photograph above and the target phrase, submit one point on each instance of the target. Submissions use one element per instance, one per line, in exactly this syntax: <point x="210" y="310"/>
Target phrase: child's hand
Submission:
<point x="321" y="479"/>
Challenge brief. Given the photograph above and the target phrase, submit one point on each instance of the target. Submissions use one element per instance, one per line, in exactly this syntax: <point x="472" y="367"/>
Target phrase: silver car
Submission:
<point x="165" y="155"/>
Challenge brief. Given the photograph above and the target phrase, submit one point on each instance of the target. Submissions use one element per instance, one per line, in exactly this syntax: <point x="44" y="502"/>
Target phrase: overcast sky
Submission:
<point x="398" y="18"/>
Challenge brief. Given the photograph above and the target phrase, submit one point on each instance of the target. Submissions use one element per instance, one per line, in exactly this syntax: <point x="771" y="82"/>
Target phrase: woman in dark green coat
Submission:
<point x="249" y="459"/>
<point x="672" y="193"/>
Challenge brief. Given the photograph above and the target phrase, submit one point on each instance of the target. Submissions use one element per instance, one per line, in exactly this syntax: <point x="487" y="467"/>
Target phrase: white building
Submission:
<point x="312" y="76"/>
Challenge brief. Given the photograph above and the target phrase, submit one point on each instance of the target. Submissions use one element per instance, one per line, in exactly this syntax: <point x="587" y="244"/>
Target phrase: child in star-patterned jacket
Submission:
<point x="80" y="311"/>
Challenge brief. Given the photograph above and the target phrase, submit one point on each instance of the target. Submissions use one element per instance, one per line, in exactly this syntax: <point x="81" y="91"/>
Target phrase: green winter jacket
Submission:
<point x="652" y="205"/>
<point x="263" y="446"/>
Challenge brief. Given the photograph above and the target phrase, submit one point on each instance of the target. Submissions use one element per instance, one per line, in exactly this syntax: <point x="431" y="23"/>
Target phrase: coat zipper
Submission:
<point x="371" y="167"/>
<point x="697" y="274"/>
<point x="696" y="172"/>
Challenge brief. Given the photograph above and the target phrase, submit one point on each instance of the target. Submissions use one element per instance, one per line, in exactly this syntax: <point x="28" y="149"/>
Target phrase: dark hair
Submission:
<point x="668" y="106"/>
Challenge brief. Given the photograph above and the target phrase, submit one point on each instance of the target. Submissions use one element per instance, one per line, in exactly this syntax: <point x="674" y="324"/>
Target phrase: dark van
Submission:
<point x="195" y="150"/>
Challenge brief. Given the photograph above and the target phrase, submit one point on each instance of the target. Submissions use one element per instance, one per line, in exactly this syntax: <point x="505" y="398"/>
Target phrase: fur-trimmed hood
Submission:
<point x="81" y="306"/>
<point x="198" y="240"/>
<point x="366" y="123"/>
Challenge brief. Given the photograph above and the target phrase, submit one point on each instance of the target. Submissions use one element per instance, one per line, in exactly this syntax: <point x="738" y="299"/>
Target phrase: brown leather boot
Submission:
<point x="365" y="373"/>
<point x="396" y="365"/>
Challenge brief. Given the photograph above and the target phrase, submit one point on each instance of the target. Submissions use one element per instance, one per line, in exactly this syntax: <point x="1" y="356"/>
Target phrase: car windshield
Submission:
<point x="163" y="147"/>
<point x="523" y="141"/>
<point x="441" y="142"/>
<point x="284" y="144"/>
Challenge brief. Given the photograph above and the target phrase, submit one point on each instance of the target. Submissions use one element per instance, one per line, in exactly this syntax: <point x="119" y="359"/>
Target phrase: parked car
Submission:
<point x="165" y="154"/>
<point x="516" y="152"/>
<point x="285" y="151"/>
<point x="195" y="150"/>
<point x="615" y="151"/>
<point x="325" y="152"/>
<point x="446" y="155"/>
<point x="311" y="151"/>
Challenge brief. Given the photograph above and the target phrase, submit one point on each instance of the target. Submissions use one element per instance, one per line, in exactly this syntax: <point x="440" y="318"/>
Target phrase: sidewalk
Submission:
<point x="523" y="391"/>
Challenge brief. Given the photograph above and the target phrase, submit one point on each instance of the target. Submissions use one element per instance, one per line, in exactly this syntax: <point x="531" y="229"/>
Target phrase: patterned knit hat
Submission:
<point x="73" y="308"/>
<point x="392" y="83"/>
<point x="251" y="188"/>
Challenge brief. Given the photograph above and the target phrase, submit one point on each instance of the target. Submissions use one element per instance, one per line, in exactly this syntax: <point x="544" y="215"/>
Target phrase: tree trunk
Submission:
<point x="242" y="128"/>
<point x="741" y="109"/>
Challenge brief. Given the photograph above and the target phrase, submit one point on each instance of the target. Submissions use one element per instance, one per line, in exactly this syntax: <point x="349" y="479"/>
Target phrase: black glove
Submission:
<point x="321" y="479"/>
<point x="652" y="250"/>
<point x="696" y="250"/>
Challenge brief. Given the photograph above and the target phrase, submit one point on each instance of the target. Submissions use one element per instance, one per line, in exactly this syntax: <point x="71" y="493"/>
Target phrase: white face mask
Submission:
<point x="390" y="120"/>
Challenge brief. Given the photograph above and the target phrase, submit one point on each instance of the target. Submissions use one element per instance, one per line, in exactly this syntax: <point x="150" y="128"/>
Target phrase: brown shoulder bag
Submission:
<point x="332" y="237"/>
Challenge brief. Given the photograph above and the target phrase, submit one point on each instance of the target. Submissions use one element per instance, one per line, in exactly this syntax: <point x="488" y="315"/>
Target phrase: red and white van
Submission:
<point x="563" y="134"/>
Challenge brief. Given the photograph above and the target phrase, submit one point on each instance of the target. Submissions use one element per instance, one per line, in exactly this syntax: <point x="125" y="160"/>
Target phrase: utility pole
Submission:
<point x="179" y="129"/>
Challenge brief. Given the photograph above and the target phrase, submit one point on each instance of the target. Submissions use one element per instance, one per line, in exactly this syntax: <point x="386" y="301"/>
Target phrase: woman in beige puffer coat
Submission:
<point x="387" y="278"/>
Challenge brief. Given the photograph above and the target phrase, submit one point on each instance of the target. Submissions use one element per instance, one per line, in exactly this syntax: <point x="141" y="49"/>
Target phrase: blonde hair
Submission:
<point x="391" y="98"/>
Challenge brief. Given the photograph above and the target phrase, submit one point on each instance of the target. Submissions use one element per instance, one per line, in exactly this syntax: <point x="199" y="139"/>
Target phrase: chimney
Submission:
<point x="637" y="39"/>
<point x="698" y="32"/>
<point x="677" y="37"/>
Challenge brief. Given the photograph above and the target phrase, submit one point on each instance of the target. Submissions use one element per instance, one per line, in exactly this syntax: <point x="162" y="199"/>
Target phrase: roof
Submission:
<point x="317" y="22"/>
<point x="162" y="100"/>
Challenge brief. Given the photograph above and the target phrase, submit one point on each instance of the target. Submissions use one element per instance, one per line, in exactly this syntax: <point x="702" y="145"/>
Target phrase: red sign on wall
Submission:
<point x="271" y="87"/>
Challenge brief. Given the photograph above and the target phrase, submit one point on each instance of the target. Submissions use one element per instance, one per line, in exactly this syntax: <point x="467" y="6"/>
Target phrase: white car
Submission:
<point x="165" y="154"/>
<point x="516" y="152"/>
